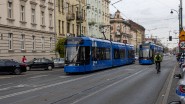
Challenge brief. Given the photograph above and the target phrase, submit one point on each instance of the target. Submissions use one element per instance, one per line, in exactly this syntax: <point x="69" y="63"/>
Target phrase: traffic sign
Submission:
<point x="182" y="35"/>
<point x="182" y="44"/>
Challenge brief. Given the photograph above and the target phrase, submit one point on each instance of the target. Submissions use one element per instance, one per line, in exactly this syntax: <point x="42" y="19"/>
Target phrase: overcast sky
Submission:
<point x="153" y="15"/>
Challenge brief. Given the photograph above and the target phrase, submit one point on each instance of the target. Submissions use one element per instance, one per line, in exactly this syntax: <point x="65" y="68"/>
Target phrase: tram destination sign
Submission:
<point x="182" y="44"/>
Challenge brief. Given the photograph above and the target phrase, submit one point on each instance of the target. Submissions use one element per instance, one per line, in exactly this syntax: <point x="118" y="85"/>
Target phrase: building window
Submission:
<point x="33" y="42"/>
<point x="1" y="36"/>
<point x="22" y="13"/>
<point x="33" y="19"/>
<point x="10" y="40"/>
<point x="59" y="22"/>
<point x="62" y="27"/>
<point x="51" y="43"/>
<point x="62" y="6"/>
<point x="59" y="5"/>
<point x="68" y="27"/>
<point x="42" y="18"/>
<point x="73" y="28"/>
<point x="84" y="30"/>
<point x="22" y="41"/>
<point x="42" y="43"/>
<point x="10" y="9"/>
<point x="50" y="20"/>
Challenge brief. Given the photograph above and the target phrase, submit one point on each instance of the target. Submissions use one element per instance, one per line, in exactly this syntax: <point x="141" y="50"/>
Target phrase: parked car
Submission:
<point x="12" y="66"/>
<point x="58" y="62"/>
<point x="45" y="63"/>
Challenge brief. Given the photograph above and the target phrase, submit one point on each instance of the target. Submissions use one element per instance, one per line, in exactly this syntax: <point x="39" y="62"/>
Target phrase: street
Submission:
<point x="130" y="84"/>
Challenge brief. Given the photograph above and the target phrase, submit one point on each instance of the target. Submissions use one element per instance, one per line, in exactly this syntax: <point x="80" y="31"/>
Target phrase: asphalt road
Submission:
<point x="130" y="84"/>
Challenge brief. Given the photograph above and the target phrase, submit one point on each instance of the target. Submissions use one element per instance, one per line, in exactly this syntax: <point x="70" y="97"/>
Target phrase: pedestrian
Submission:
<point x="24" y="59"/>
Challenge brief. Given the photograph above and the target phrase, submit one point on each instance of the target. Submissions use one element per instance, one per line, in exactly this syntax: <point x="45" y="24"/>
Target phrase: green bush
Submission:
<point x="60" y="47"/>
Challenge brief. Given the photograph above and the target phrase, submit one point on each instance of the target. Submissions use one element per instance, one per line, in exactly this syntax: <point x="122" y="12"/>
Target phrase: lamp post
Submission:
<point x="180" y="16"/>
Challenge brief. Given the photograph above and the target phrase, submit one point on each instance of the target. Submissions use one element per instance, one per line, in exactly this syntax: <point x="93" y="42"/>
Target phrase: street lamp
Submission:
<point x="180" y="19"/>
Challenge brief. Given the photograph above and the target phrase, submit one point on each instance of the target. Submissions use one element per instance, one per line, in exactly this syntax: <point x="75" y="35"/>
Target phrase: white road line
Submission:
<point x="38" y="76"/>
<point x="107" y="87"/>
<point x="64" y="76"/>
<point x="2" y="77"/>
<point x="6" y="84"/>
<point x="40" y="88"/>
<point x="17" y="86"/>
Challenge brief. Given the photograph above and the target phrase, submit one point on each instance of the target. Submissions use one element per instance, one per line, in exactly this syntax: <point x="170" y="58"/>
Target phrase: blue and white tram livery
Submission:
<point x="85" y="54"/>
<point x="147" y="52"/>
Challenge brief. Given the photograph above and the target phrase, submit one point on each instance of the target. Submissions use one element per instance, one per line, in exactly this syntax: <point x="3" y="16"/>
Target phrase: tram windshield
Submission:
<point x="77" y="55"/>
<point x="146" y="53"/>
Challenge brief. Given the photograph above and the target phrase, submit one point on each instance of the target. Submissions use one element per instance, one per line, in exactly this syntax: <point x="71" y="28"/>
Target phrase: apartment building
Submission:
<point x="98" y="19"/>
<point x="120" y="28"/>
<point x="70" y="18"/>
<point x="27" y="28"/>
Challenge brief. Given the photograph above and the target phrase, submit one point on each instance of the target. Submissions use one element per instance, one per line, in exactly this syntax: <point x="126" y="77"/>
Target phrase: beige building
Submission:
<point x="70" y="17"/>
<point x="27" y="28"/>
<point x="138" y="33"/>
<point x="126" y="31"/>
<point x="120" y="29"/>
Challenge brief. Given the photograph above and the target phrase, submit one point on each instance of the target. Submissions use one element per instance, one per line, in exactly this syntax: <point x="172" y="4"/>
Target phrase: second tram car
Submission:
<point x="147" y="52"/>
<point x="85" y="54"/>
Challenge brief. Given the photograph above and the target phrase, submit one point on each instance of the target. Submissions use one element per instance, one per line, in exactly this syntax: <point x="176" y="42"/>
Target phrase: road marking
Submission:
<point x="6" y="84"/>
<point x="17" y="86"/>
<point x="4" y="77"/>
<point x="38" y="76"/>
<point x="40" y="88"/>
<point x="108" y="86"/>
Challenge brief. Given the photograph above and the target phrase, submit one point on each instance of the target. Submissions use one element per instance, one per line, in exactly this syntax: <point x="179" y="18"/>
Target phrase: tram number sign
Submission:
<point x="182" y="44"/>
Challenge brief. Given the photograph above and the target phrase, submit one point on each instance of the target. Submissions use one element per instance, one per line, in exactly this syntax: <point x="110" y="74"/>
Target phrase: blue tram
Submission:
<point x="84" y="54"/>
<point x="147" y="52"/>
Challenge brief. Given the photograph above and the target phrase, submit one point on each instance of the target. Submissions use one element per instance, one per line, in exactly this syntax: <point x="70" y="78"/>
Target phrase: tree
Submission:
<point x="60" y="47"/>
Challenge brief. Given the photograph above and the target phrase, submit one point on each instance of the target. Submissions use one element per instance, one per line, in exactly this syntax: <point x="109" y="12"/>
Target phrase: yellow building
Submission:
<point x="70" y="17"/>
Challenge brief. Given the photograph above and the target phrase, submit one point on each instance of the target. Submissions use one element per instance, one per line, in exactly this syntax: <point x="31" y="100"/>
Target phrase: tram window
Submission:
<point x="107" y="53"/>
<point x="94" y="54"/>
<point x="140" y="53"/>
<point x="97" y="54"/>
<point x="116" y="54"/>
<point x="122" y="53"/>
<point x="87" y="55"/>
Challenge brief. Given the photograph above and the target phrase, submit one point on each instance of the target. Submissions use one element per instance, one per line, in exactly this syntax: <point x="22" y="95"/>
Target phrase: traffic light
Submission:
<point x="170" y="38"/>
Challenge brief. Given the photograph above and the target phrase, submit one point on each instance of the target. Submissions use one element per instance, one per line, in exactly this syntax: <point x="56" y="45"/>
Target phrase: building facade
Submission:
<point x="27" y="28"/>
<point x="98" y="19"/>
<point x="70" y="18"/>
<point x="120" y="29"/>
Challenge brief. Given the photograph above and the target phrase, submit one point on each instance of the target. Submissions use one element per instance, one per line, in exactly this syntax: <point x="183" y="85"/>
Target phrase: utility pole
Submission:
<point x="136" y="42"/>
<point x="181" y="15"/>
<point x="180" y="21"/>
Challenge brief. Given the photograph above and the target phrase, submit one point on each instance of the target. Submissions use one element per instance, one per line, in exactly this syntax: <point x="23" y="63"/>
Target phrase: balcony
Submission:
<point x="117" y="33"/>
<point x="70" y="16"/>
<point x="79" y="17"/>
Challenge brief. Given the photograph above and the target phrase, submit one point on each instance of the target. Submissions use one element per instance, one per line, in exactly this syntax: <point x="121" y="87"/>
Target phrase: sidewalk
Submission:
<point x="172" y="95"/>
